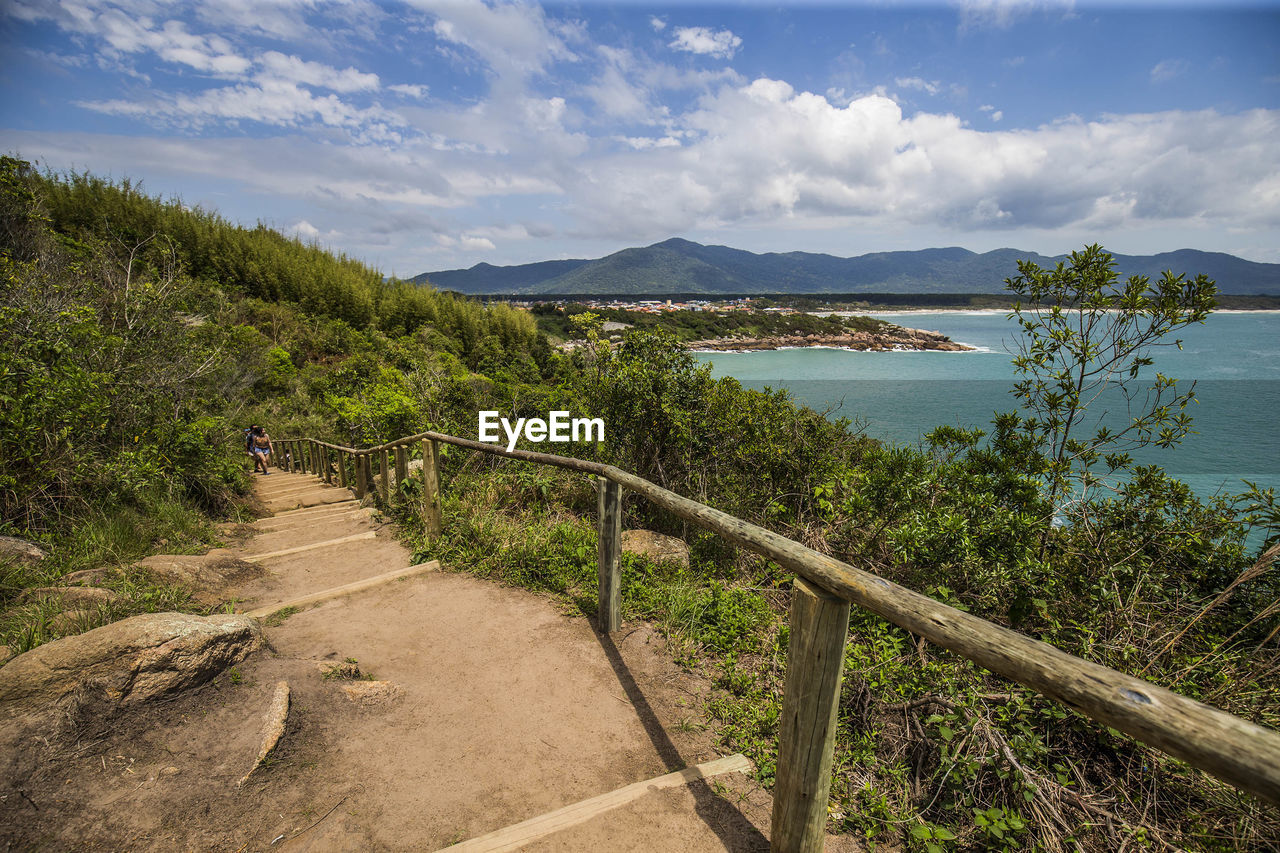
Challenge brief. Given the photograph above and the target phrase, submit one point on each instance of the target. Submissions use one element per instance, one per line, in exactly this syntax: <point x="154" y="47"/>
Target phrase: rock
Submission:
<point x="73" y="596"/>
<point x="20" y="550"/>
<point x="371" y="692"/>
<point x="655" y="546"/>
<point x="87" y="577"/>
<point x="205" y="574"/>
<point x="277" y="717"/>
<point x="130" y="661"/>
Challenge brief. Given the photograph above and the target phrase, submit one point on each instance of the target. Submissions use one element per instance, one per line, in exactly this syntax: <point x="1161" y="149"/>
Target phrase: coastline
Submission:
<point x="892" y="339"/>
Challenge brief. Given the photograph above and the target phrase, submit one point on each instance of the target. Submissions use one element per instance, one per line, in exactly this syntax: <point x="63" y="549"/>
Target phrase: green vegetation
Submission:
<point x="140" y="337"/>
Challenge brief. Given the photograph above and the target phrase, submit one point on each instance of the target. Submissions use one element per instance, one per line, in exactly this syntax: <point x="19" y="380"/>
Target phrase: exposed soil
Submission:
<point x="497" y="708"/>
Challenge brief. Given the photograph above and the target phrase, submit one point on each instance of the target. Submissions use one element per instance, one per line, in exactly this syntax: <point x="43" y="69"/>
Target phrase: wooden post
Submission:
<point x="402" y="464"/>
<point x="385" y="482"/>
<point x="315" y="459"/>
<point x="362" y="475"/>
<point x="342" y="469"/>
<point x="609" y="513"/>
<point x="431" y="515"/>
<point x="807" y="729"/>
<point x="328" y="468"/>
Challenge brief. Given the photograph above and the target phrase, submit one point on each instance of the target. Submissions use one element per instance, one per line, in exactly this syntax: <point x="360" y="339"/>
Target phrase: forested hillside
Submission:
<point x="139" y="337"/>
<point x="683" y="267"/>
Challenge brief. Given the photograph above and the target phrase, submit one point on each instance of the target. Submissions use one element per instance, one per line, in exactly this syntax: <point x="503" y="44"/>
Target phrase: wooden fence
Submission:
<point x="1232" y="749"/>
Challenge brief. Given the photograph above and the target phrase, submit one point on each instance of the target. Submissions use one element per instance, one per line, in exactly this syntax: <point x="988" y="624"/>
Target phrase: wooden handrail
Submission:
<point x="1234" y="750"/>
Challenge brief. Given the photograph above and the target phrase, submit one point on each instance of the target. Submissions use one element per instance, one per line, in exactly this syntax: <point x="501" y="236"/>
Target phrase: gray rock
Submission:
<point x="128" y="662"/>
<point x="87" y="577"/>
<point x="655" y="546"/>
<point x="70" y="596"/>
<point x="20" y="550"/>
<point x="206" y="575"/>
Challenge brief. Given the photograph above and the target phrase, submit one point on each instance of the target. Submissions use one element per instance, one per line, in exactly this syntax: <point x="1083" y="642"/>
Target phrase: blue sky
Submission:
<point x="430" y="135"/>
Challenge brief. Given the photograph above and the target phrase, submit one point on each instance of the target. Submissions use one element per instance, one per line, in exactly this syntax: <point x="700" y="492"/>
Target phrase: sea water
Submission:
<point x="1233" y="359"/>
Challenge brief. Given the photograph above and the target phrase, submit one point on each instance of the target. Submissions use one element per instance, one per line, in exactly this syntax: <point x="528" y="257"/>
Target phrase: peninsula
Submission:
<point x="890" y="338"/>
<point x="734" y="325"/>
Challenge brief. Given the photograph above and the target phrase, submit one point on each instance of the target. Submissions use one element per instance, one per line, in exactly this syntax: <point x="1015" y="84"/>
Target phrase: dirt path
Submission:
<point x="489" y="707"/>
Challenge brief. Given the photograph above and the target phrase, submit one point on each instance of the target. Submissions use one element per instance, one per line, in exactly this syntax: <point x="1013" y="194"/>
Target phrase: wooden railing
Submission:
<point x="1232" y="749"/>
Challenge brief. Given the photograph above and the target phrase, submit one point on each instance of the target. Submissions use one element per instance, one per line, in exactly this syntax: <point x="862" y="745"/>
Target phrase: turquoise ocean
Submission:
<point x="1233" y="359"/>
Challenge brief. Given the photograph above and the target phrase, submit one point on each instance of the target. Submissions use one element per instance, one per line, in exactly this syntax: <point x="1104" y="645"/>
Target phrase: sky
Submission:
<point x="437" y="134"/>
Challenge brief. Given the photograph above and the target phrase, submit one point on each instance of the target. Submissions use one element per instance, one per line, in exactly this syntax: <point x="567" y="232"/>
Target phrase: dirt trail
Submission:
<point x="490" y="707"/>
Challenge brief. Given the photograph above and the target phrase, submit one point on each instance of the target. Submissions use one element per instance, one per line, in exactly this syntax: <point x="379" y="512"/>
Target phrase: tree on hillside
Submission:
<point x="1086" y="334"/>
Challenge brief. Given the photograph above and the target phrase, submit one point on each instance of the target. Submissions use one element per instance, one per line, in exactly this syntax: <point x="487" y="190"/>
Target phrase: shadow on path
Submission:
<point x="722" y="817"/>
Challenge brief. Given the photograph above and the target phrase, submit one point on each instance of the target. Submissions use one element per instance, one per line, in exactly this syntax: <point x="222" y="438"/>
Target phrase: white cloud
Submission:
<point x="721" y="44"/>
<point x="930" y="87"/>
<point x="1002" y="14"/>
<point x="469" y="243"/>
<point x="290" y="69"/>
<point x="657" y="23"/>
<point x="410" y="90"/>
<point x="766" y="153"/>
<point x="512" y="38"/>
<point x="994" y="113"/>
<point x="305" y="230"/>
<point x="1168" y="69"/>
<point x="271" y="102"/>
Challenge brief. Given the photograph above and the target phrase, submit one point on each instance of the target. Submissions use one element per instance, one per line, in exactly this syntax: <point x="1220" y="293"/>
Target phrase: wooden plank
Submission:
<point x="609" y="516"/>
<point x="522" y="834"/>
<point x="301" y="489"/>
<point x="355" y="537"/>
<point x="342" y="468"/>
<point x="807" y="729"/>
<point x="345" y="589"/>
<point x="432" y="517"/>
<point x="318" y="508"/>
<point x="402" y="465"/>
<point x="291" y="523"/>
<point x="325" y="467"/>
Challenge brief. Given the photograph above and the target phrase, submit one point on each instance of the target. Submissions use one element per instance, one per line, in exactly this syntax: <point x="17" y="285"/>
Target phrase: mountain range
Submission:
<point x="684" y="267"/>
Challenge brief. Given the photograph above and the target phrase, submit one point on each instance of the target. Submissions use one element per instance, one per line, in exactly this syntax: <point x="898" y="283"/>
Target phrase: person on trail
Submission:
<point x="258" y="444"/>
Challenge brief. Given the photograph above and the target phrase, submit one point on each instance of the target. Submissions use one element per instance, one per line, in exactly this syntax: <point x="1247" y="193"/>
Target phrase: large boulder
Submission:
<point x="17" y="550"/>
<point x="655" y="546"/>
<point x="206" y="575"/>
<point x="129" y="661"/>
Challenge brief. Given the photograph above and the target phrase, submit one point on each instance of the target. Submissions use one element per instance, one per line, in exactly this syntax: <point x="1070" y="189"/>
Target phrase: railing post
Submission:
<point x="609" y="514"/>
<point x="362" y="484"/>
<point x="431" y="515"/>
<point x="385" y="480"/>
<point x="342" y="469"/>
<point x="807" y="729"/>
<point x="325" y="466"/>
<point x="402" y="464"/>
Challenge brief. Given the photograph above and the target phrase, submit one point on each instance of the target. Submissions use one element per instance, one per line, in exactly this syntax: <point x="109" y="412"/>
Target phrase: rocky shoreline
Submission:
<point x="889" y="339"/>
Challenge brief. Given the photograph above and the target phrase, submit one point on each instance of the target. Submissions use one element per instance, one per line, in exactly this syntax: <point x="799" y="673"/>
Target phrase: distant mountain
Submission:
<point x="682" y="266"/>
